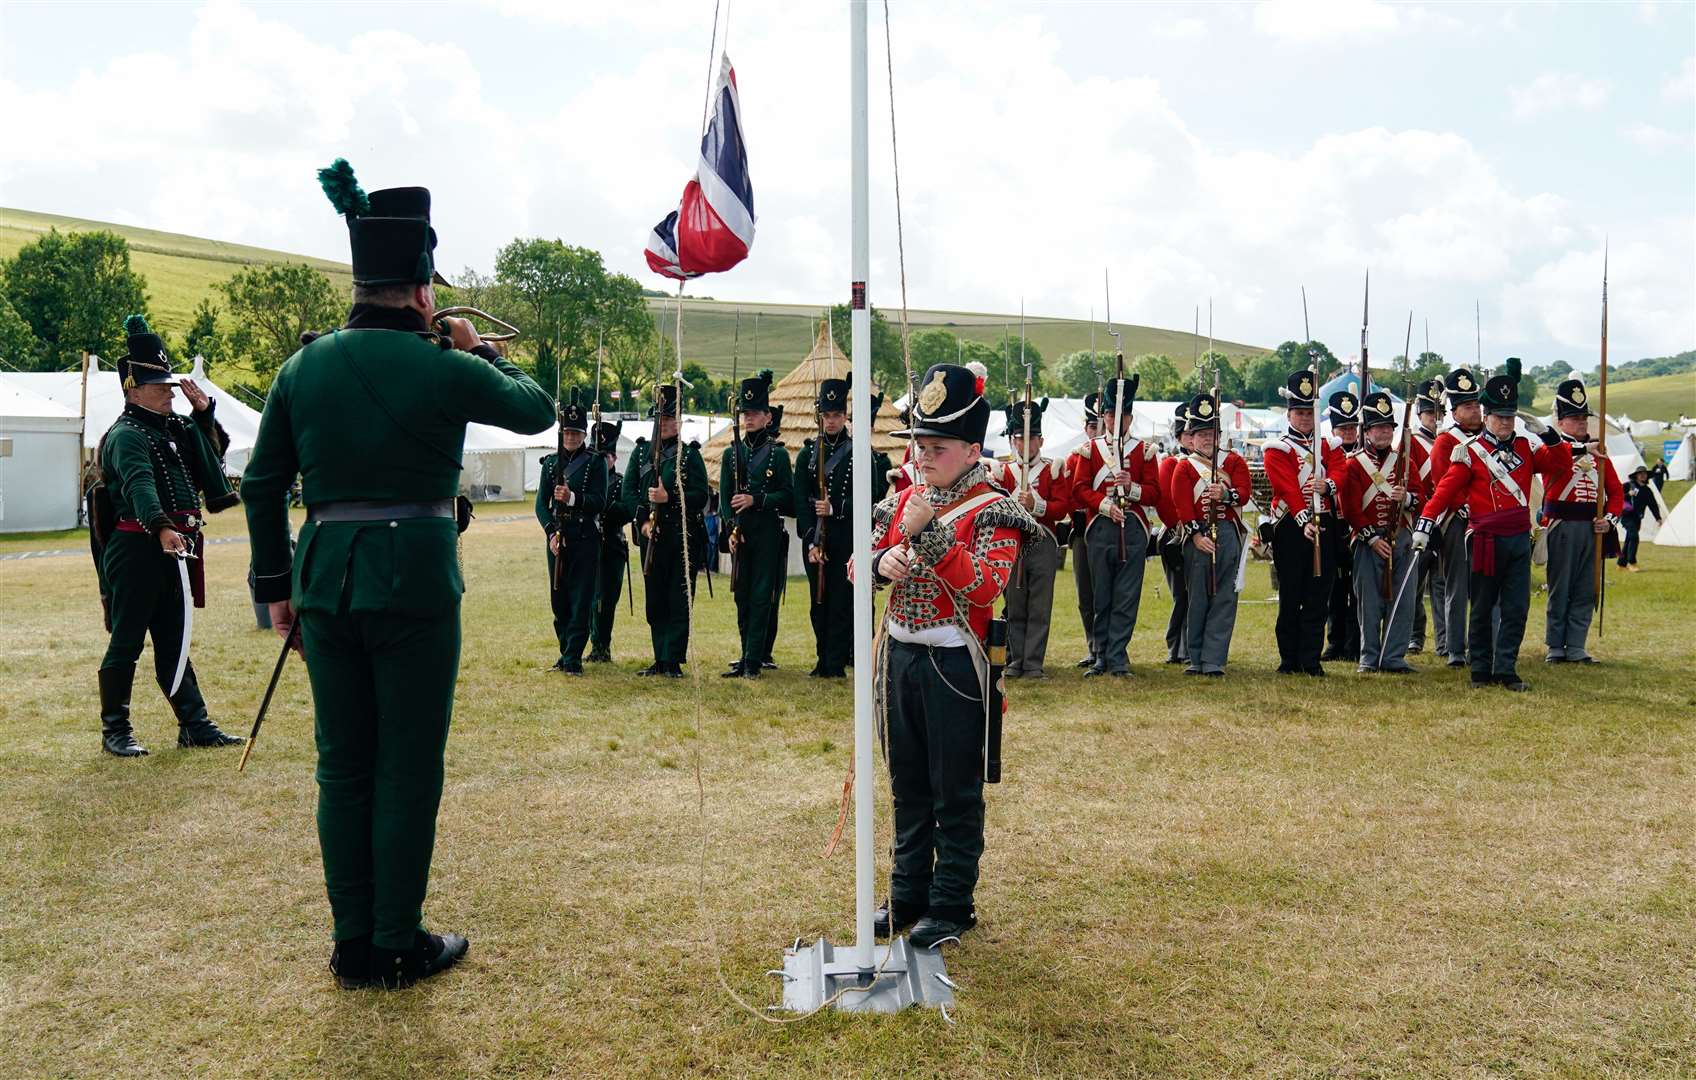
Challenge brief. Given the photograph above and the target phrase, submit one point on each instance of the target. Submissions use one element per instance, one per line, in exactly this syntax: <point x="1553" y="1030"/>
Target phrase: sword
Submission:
<point x="1413" y="573"/>
<point x="188" y="623"/>
<point x="271" y="688"/>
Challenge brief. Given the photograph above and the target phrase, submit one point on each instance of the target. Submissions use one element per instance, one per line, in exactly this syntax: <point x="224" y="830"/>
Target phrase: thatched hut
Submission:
<point x="795" y="392"/>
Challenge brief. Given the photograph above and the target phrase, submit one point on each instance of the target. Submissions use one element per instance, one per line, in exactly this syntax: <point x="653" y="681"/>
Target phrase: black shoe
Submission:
<point x="1553" y="659"/>
<point x="1213" y="674"/>
<point x="1086" y="662"/>
<point x="673" y="670"/>
<point x="1125" y="674"/>
<point x="1512" y="681"/>
<point x="559" y="665"/>
<point x="194" y="728"/>
<point x="655" y="668"/>
<point x="1283" y="669"/>
<point x="1192" y="671"/>
<point x="735" y="671"/>
<point x="1586" y="659"/>
<point x="1316" y="672"/>
<point x="572" y="668"/>
<point x="116" y="735"/>
<point x="817" y="672"/>
<point x="1480" y="682"/>
<point x="1416" y="648"/>
<point x="429" y="955"/>
<point x="599" y="656"/>
<point x="768" y="664"/>
<point x="1332" y="653"/>
<point x="1176" y="660"/>
<point x="350" y="963"/>
<point x="935" y="928"/>
<point x="1095" y="673"/>
<point x="1457" y="661"/>
<point x="904" y="917"/>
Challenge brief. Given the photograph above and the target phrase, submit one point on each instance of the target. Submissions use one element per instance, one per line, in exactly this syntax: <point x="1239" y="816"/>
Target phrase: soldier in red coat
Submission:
<point x="1208" y="491"/>
<point x="1428" y="412"/>
<point x="1461" y="392"/>
<point x="1303" y="515"/>
<point x="947" y="548"/>
<point x="1575" y="528"/>
<point x="1376" y="503"/>
<point x="1041" y="487"/>
<point x="1076" y="464"/>
<point x="1491" y="476"/>
<point x="1343" y="627"/>
<point x="1172" y="543"/>
<point x="1120" y="480"/>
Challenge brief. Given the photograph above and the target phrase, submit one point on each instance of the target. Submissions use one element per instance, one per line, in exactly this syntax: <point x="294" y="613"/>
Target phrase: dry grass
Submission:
<point x="1349" y="878"/>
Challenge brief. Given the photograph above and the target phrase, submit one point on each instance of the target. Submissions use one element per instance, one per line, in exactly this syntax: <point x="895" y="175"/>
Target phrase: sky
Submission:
<point x="1475" y="154"/>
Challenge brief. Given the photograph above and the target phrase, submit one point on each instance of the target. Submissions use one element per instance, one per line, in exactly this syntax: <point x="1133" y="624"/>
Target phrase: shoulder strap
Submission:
<point x="341" y="347"/>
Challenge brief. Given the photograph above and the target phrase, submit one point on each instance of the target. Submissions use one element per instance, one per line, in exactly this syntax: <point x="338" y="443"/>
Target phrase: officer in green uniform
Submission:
<point x="615" y="550"/>
<point x="569" y="500"/>
<point x="824" y="516"/>
<point x="372" y="418"/>
<point x="651" y="498"/>
<point x="145" y="531"/>
<point x="755" y="491"/>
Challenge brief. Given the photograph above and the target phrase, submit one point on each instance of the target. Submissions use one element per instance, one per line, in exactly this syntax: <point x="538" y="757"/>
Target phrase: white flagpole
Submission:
<point x="865" y="424"/>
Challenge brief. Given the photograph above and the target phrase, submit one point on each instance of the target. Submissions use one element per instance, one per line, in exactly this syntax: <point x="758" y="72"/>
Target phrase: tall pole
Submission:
<point x="82" y="437"/>
<point x="861" y="358"/>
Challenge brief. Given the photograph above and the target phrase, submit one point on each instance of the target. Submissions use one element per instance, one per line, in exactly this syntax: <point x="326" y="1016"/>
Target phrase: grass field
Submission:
<point x="1357" y="877"/>
<point x="1662" y="397"/>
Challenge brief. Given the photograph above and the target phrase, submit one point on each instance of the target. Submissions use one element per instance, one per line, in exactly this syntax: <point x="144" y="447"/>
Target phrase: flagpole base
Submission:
<point x="813" y="974"/>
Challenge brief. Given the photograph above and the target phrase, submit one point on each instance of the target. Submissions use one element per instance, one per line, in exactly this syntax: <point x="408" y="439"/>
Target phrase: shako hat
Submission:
<point x="833" y="396"/>
<point x="145" y="362"/>
<point x="1110" y="392"/>
<point x="1092" y="407"/>
<point x="1570" y="400"/>
<point x="1301" y="389"/>
<point x="1429" y="396"/>
<point x="951" y="404"/>
<point x="755" y="394"/>
<point x="606" y="436"/>
<point x="1343" y="408"/>
<point x="1016" y="417"/>
<point x="1460" y="386"/>
<point x="389" y="231"/>
<point x="1501" y="393"/>
<point x="1377" y="410"/>
<point x="1180" y="418"/>
<point x="573" y="416"/>
<point x="1201" y="413"/>
<point x="665" y="401"/>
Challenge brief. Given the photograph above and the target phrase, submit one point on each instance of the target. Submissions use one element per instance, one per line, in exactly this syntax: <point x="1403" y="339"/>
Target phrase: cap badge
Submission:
<point x="1305" y="387"/>
<point x="1205" y="408"/>
<point x="1463" y="382"/>
<point x="1578" y="395"/>
<point x="934" y="393"/>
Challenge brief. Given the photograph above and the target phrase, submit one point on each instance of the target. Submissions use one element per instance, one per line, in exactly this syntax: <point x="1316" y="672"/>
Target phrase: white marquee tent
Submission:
<point x="40" y="461"/>
<point x="1679" y="529"/>
<point x="1683" y="463"/>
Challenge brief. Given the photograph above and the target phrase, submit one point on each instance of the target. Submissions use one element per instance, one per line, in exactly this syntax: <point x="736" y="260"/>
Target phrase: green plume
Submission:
<point x="136" y="324"/>
<point x="764" y="375"/>
<point x="343" y="190"/>
<point x="1511" y="369"/>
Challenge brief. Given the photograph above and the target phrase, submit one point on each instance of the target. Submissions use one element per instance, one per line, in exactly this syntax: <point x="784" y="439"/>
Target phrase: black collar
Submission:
<point x="145" y="415"/>
<point x="377" y="317"/>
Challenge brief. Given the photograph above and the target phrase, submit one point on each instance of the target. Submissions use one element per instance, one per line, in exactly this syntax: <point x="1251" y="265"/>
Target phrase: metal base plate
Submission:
<point x="812" y="974"/>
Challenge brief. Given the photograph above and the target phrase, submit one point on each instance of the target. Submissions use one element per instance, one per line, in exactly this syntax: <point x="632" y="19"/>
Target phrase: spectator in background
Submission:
<point x="1639" y="496"/>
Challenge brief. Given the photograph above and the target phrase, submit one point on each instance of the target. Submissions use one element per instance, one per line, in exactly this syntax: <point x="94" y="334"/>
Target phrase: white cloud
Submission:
<point x="1324" y="20"/>
<point x="1682" y="85"/>
<point x="1652" y="138"/>
<point x="1649" y="290"/>
<point x="1556" y="91"/>
<point x="1184" y="29"/>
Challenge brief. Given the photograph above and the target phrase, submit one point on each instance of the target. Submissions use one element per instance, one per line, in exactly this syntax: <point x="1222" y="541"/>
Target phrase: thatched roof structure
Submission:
<point x="796" y="394"/>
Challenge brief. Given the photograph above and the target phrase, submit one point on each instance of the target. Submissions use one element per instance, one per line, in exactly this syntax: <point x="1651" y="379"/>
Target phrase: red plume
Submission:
<point x="980" y="385"/>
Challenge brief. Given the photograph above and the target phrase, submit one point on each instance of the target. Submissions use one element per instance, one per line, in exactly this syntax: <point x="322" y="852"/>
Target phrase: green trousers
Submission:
<point x="609" y="585"/>
<point x="667" y="606"/>
<point x="760" y="573"/>
<point x="571" y="592"/>
<point x="382" y="693"/>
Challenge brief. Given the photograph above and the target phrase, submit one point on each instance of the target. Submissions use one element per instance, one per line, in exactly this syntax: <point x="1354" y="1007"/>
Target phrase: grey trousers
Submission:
<point x="1117" y="588"/>
<point x="1431" y="585"/>
<point x="1177" y="640"/>
<point x="1456" y="564"/>
<point x="1383" y="646"/>
<point x="1086" y="590"/>
<point x="1030" y="606"/>
<point x="1572" y="588"/>
<point x="1212" y="618"/>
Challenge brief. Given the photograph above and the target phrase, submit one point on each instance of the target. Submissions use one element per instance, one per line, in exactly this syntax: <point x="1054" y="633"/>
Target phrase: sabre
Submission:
<point x="289" y="642"/>
<point x="188" y="622"/>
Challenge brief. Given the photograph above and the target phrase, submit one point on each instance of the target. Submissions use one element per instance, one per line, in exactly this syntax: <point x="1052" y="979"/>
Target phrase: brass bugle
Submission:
<point x="508" y="331"/>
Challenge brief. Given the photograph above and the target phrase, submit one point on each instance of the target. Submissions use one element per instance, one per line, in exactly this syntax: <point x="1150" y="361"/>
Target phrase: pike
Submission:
<point x="1602" y="440"/>
<point x="1314" y="468"/>
<point x="1118" y="400"/>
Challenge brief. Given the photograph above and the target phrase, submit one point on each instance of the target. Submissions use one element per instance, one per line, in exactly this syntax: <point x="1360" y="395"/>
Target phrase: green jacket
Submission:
<point x="639" y="477"/>
<point x="588" y="482"/>
<point x="839" y="488"/>
<point x="155" y="465"/>
<point x="374" y="411"/>
<point x="771" y="484"/>
<point x="614" y="518"/>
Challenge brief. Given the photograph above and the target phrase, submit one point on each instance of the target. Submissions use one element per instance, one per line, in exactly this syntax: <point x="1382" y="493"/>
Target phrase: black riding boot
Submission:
<point x="194" y="728"/>
<point x="116" y="735"/>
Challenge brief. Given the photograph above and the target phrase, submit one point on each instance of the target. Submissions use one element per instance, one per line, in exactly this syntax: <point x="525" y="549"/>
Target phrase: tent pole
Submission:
<point x="82" y="438"/>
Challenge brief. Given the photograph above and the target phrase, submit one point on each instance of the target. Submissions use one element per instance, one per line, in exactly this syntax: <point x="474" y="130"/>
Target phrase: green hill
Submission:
<point x="1659" y="397"/>
<point x="180" y="270"/>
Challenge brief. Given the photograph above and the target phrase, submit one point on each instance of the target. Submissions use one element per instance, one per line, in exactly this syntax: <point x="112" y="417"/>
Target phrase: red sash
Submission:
<point x="188" y="523"/>
<point x="1484" y="529"/>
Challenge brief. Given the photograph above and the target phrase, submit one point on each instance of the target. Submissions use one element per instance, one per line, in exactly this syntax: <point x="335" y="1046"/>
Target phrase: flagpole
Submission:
<point x="861" y="327"/>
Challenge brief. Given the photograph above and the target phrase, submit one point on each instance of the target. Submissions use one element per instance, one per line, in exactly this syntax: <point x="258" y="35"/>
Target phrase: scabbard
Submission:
<point x="995" y="650"/>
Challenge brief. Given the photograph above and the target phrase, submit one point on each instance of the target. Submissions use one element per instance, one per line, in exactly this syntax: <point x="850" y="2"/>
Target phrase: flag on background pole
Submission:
<point x="713" y="227"/>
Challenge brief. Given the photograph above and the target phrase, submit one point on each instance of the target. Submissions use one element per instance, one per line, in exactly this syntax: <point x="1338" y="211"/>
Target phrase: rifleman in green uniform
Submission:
<point x="372" y="418"/>
<point x="569" y="500"/>
<point x="651" y="498"/>
<point x="755" y="491"/>
<point x="145" y="518"/>
<point x="615" y="549"/>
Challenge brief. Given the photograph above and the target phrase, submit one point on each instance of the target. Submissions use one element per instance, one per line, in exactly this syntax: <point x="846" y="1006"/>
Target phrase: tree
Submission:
<point x="1551" y="374"/>
<point x="272" y="305"/>
<point x="203" y="338"/>
<point x="1263" y="377"/>
<point x="1527" y="390"/>
<point x="1200" y="380"/>
<point x="1079" y="373"/>
<point x="1157" y="377"/>
<point x="630" y="364"/>
<point x="1006" y="379"/>
<point x="887" y="371"/>
<point x="74" y="290"/>
<point x="18" y="345"/>
<point x="1301" y="355"/>
<point x="563" y="298"/>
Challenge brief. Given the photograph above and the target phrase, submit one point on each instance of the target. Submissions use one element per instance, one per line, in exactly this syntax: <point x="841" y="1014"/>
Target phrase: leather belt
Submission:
<point x="379" y="510"/>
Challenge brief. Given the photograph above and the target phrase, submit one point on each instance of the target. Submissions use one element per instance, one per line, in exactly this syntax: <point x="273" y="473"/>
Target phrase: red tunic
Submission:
<point x="1443" y="455"/>
<point x="1472" y="483"/>
<point x="1421" y="476"/>
<point x="1188" y="504"/>
<point x="1366" y="485"/>
<point x="1164" y="505"/>
<point x="1570" y="491"/>
<point x="905" y="476"/>
<point x="963" y="564"/>
<point x="1050" y="484"/>
<point x="1287" y="468"/>
<point x="1090" y="484"/>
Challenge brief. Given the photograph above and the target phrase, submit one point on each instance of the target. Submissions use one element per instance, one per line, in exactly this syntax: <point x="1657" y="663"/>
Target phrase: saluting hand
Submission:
<point x="197" y="398"/>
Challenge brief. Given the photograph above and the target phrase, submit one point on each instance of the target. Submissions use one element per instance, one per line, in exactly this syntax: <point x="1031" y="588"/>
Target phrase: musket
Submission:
<point x="736" y="477"/>
<point x="1213" y="466"/>
<point x="1384" y="587"/>
<point x="1602" y="452"/>
<point x="1313" y="464"/>
<point x="1365" y="318"/>
<point x="1118" y="400"/>
<point x="559" y="473"/>
<point x="818" y="467"/>
<point x="654" y="447"/>
<point x="1025" y="445"/>
<point x="289" y="642"/>
<point x="679" y="469"/>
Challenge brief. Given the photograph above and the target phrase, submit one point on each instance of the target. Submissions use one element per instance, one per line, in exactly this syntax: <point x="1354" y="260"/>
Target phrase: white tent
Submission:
<point x="1643" y="429"/>
<point x="1679" y="529"/>
<point x="40" y="462"/>
<point x="696" y="428"/>
<point x="1683" y="463"/>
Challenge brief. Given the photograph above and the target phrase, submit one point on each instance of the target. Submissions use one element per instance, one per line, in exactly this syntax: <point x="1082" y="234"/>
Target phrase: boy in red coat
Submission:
<point x="1205" y="504"/>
